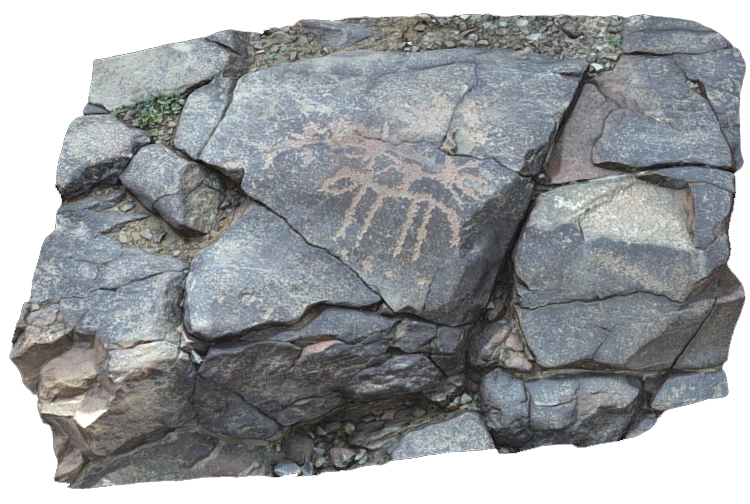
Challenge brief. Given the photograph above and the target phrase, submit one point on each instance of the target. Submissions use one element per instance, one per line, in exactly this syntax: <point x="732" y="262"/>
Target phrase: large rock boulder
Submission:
<point x="101" y="347"/>
<point x="622" y="271"/>
<point x="357" y="173"/>
<point x="97" y="148"/>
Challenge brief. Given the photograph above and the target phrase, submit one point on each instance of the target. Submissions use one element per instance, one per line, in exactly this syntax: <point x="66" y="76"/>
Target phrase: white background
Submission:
<point x="693" y="454"/>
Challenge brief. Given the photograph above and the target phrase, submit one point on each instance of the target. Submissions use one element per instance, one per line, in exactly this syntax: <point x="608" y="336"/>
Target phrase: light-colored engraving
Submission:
<point x="363" y="165"/>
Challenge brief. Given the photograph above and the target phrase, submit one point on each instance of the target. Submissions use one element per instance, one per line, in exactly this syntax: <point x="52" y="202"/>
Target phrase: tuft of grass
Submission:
<point x="614" y="41"/>
<point x="220" y="76"/>
<point x="156" y="106"/>
<point x="119" y="111"/>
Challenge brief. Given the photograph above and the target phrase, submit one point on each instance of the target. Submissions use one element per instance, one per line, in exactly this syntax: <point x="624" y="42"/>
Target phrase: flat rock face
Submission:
<point x="130" y="78"/>
<point x="623" y="247"/>
<point x="580" y="410"/>
<point x="186" y="194"/>
<point x="661" y="121"/>
<point x="260" y="273"/>
<point x="353" y="355"/>
<point x="369" y="180"/>
<point x="654" y="111"/>
<point x="95" y="151"/>
<point x="664" y="36"/>
<point x="203" y="111"/>
<point x="464" y="432"/>
<point x="683" y="389"/>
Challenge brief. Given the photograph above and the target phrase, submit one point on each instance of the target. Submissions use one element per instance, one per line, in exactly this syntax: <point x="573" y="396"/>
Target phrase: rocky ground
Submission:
<point x="352" y="437"/>
<point x="595" y="39"/>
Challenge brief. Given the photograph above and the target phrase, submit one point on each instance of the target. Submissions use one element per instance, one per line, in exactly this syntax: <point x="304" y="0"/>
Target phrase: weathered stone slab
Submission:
<point x="505" y="407"/>
<point x="679" y="178"/>
<point x="662" y="122"/>
<point x="348" y="351"/>
<point x="259" y="273"/>
<point x="642" y="422"/>
<point x="464" y="432"/>
<point x="614" y="236"/>
<point x="636" y="331"/>
<point x="107" y="343"/>
<point x="721" y="74"/>
<point x="186" y="194"/>
<point x="203" y="110"/>
<point x="233" y="39"/>
<point x="229" y="415"/>
<point x="659" y="35"/>
<point x="688" y="388"/>
<point x="710" y="345"/>
<point x="616" y="270"/>
<point x="129" y="78"/>
<point x="386" y="214"/>
<point x="581" y="410"/>
<point x="95" y="151"/>
<point x="179" y="455"/>
<point x="334" y="33"/>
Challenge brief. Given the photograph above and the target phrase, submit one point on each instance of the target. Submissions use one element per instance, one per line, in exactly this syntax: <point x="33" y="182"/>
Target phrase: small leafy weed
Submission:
<point x="614" y="41"/>
<point x="153" y="110"/>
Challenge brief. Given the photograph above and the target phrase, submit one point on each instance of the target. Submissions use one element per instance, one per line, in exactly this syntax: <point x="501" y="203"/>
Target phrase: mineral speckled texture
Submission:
<point x="341" y="243"/>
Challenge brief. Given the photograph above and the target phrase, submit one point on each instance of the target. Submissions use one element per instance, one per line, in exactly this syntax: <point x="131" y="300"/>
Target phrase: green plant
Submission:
<point x="118" y="111"/>
<point x="220" y="76"/>
<point x="152" y="111"/>
<point x="614" y="41"/>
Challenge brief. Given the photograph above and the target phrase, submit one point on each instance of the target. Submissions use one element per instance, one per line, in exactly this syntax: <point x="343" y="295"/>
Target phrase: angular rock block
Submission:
<point x="96" y="150"/>
<point x="185" y="194"/>
<point x="351" y="253"/>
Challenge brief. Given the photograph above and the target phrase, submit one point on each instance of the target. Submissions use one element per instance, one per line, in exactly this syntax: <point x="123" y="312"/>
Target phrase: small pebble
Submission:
<point x="349" y="428"/>
<point x="333" y="427"/>
<point x="146" y="233"/>
<point x="522" y="22"/>
<point x="418" y="412"/>
<point x="502" y="24"/>
<point x="286" y="468"/>
<point x="126" y="207"/>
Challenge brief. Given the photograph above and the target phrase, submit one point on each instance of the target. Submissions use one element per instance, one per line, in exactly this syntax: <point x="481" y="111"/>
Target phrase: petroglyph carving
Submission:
<point x="375" y="171"/>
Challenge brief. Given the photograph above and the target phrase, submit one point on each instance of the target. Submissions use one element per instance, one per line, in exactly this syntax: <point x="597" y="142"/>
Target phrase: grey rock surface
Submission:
<point x="130" y="78"/>
<point x="261" y="273"/>
<point x="350" y="246"/>
<point x="203" y="110"/>
<point x="689" y="388"/>
<point x="399" y="176"/>
<point x="95" y="151"/>
<point x="186" y="194"/>
<point x="464" y="432"/>
<point x="611" y="266"/>
<point x="581" y="410"/>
